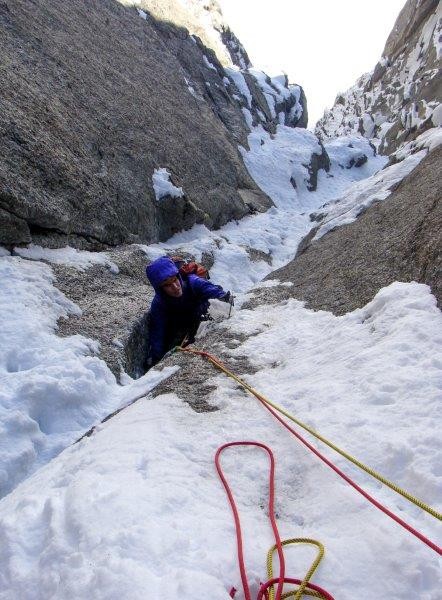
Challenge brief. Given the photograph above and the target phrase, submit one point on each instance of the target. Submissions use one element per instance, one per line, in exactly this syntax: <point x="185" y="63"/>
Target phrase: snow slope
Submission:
<point x="137" y="508"/>
<point x="52" y="389"/>
<point x="246" y="251"/>
<point x="363" y="194"/>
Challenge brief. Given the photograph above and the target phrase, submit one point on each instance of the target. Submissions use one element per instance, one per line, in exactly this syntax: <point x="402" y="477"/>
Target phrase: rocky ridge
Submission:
<point x="204" y="20"/>
<point x="401" y="98"/>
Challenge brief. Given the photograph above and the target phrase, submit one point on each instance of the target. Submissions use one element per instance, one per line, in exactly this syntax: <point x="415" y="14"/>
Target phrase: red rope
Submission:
<point x="366" y="495"/>
<point x="239" y="544"/>
<point x="265" y="586"/>
<point x="281" y="579"/>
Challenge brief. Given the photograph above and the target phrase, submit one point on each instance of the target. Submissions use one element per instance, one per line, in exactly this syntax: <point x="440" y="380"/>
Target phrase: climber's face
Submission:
<point x="172" y="287"/>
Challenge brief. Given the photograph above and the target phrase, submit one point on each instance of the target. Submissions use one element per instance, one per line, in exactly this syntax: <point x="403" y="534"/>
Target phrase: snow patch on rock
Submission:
<point x="362" y="194"/>
<point x="163" y="186"/>
<point x="68" y="256"/>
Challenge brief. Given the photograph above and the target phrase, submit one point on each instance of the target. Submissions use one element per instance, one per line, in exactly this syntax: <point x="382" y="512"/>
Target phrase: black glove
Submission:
<point x="228" y="297"/>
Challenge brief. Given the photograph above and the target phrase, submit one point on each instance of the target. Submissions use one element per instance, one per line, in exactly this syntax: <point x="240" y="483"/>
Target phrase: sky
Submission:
<point x="323" y="45"/>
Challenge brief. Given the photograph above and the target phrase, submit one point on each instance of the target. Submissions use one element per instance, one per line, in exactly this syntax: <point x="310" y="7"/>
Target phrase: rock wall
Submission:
<point x="394" y="240"/>
<point x="401" y="98"/>
<point x="98" y="95"/>
<point x="114" y="307"/>
<point x="94" y="99"/>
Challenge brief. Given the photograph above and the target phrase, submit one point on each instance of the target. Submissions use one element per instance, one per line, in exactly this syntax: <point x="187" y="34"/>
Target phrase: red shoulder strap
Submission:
<point x="194" y="268"/>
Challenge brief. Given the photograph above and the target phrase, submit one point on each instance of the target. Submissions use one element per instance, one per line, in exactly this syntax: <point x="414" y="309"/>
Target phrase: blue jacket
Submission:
<point x="169" y="315"/>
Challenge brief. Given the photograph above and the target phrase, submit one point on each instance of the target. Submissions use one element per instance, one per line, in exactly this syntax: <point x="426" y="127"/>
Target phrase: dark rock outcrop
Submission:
<point x="397" y="239"/>
<point x="94" y="99"/>
<point x="237" y="52"/>
<point x="272" y="100"/>
<point x="318" y="161"/>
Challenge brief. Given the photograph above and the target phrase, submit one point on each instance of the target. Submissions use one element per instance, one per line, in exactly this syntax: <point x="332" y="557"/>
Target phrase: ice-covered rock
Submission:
<point x="267" y="101"/>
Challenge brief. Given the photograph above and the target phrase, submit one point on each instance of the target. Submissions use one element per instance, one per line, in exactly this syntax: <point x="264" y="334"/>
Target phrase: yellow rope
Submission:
<point x="297" y="594"/>
<point x="318" y="436"/>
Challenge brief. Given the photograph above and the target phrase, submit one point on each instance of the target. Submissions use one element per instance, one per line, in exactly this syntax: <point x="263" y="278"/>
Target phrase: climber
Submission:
<point x="179" y="305"/>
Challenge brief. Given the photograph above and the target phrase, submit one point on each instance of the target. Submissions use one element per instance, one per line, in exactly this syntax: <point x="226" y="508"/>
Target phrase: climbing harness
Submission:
<point x="274" y="408"/>
<point x="266" y="590"/>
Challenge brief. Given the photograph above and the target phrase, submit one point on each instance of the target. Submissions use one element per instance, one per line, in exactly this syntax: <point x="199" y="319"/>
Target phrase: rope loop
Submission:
<point x="267" y="591"/>
<point x="302" y="588"/>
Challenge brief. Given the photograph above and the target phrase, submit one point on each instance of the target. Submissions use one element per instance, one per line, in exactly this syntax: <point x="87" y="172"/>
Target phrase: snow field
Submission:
<point x="138" y="508"/>
<point x="52" y="390"/>
<point x="349" y="353"/>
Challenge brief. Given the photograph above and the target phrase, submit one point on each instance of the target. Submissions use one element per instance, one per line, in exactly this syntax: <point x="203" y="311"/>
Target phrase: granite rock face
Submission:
<point x="94" y="98"/>
<point x="204" y="20"/>
<point x="401" y="98"/>
<point x="98" y="95"/>
<point x="114" y="307"/>
<point x="398" y="239"/>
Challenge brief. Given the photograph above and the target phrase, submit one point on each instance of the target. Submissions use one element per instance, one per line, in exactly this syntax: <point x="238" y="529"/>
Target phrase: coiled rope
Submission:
<point x="266" y="590"/>
<point x="272" y="407"/>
